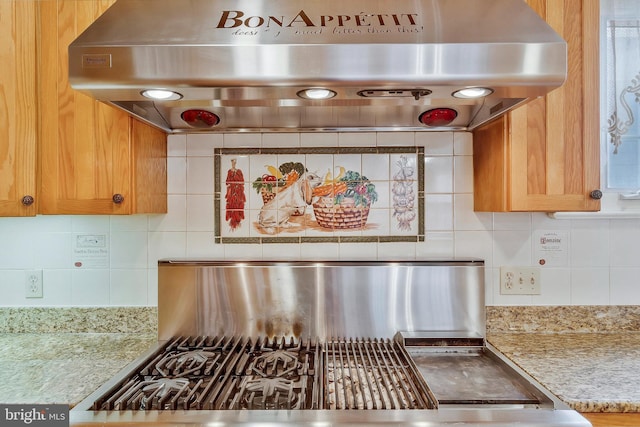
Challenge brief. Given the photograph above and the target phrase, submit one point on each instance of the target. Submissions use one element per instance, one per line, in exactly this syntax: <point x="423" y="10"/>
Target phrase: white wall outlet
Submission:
<point x="33" y="284"/>
<point x="520" y="280"/>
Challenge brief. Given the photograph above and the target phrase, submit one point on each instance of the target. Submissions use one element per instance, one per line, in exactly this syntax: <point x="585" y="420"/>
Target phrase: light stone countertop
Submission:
<point x="589" y="356"/>
<point x="63" y="368"/>
<point x="590" y="372"/>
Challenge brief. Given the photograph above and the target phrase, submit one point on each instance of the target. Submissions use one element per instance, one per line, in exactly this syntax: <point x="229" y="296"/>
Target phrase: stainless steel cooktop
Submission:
<point x="323" y="343"/>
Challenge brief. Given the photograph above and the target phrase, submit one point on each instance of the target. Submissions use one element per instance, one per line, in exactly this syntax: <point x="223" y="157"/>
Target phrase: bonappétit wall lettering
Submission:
<point x="239" y="19"/>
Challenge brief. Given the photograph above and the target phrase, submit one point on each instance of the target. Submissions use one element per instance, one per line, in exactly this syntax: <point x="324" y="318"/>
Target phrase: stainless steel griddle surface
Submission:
<point x="471" y="375"/>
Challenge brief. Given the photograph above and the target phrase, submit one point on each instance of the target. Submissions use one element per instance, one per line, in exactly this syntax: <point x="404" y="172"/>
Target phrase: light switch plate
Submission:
<point x="520" y="280"/>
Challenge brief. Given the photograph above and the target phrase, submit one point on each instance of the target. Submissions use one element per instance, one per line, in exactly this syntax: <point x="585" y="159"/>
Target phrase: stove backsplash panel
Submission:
<point x="319" y="299"/>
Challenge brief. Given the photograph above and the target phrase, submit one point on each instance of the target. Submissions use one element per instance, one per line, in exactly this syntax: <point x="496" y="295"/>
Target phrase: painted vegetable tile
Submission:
<point x="288" y="196"/>
<point x="235" y="196"/>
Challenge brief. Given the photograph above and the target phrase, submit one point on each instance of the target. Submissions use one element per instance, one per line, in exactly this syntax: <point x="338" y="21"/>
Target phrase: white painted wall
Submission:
<point x="602" y="267"/>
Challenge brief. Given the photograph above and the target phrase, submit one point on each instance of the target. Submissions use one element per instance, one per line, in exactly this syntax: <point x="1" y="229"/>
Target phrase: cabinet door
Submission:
<point x="544" y="156"/>
<point x="89" y="163"/>
<point x="18" y="114"/>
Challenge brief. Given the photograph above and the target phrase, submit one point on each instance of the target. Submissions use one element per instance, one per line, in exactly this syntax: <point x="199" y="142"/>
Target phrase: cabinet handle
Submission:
<point x="27" y="200"/>
<point x="596" y="194"/>
<point x="118" y="198"/>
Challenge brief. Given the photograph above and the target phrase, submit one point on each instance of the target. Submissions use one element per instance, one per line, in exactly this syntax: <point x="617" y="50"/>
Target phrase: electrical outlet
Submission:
<point x="520" y="280"/>
<point x="33" y="284"/>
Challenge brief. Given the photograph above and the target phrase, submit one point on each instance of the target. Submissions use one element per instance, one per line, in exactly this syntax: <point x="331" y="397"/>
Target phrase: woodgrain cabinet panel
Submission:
<point x="613" y="420"/>
<point x="93" y="156"/>
<point x="544" y="156"/>
<point x="18" y="112"/>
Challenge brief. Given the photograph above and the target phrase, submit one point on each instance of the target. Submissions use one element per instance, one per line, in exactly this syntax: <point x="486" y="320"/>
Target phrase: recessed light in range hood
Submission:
<point x="383" y="64"/>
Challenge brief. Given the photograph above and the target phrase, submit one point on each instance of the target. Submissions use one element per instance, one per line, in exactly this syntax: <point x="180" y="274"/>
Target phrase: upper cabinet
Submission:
<point x="544" y="156"/>
<point x="18" y="113"/>
<point x="94" y="159"/>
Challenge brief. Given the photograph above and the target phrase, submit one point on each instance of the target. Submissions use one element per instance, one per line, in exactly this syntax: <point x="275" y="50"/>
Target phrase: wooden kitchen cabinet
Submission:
<point x="544" y="156"/>
<point x="18" y="114"/>
<point x="613" y="420"/>
<point x="94" y="158"/>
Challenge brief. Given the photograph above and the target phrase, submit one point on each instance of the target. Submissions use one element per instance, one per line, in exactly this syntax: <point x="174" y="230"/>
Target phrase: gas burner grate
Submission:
<point x="206" y="373"/>
<point x="274" y="374"/>
<point x="223" y="373"/>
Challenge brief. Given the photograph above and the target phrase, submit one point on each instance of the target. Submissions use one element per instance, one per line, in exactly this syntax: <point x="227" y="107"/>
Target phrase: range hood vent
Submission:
<point x="370" y="65"/>
<point x="394" y="93"/>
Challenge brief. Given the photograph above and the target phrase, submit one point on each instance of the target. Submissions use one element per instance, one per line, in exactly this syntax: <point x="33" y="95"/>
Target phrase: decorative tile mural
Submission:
<point x="295" y="195"/>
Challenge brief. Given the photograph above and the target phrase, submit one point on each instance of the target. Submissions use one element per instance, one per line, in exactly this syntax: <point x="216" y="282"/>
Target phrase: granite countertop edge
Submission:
<point x="64" y="368"/>
<point x="588" y="356"/>
<point x="590" y="372"/>
<point x="67" y="367"/>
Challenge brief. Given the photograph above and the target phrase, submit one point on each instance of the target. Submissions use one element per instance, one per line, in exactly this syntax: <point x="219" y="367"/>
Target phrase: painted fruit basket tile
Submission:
<point x="321" y="194"/>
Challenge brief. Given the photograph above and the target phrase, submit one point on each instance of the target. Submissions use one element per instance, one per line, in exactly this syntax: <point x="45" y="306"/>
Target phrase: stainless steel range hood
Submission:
<point x="241" y="65"/>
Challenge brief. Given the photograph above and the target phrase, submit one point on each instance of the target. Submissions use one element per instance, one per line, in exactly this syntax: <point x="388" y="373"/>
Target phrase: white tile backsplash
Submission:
<point x="199" y="175"/>
<point x="278" y="140"/>
<point x="625" y="243"/>
<point x="17" y="248"/>
<point x="242" y="140"/>
<point x="590" y="286"/>
<point x="363" y="139"/>
<point x="53" y="250"/>
<point x="405" y="139"/>
<point x="319" y="251"/>
<point x="436" y="245"/>
<point x="128" y="287"/>
<point x="590" y="244"/>
<point x="246" y="252"/>
<point x="281" y="251"/>
<point x="512" y="221"/>
<point x="200" y="245"/>
<point x="463" y="144"/>
<point x="90" y="224"/>
<point x="358" y="251"/>
<point x="392" y="251"/>
<point x="438" y="212"/>
<point x="58" y="291"/>
<point x="202" y="145"/>
<point x="176" y="217"/>
<point x="555" y="287"/>
<point x="511" y="248"/>
<point x="436" y="144"/>
<point x="152" y="286"/>
<point x="128" y="249"/>
<point x="319" y="139"/>
<point x="200" y="213"/>
<point x="602" y="264"/>
<point x="474" y="244"/>
<point x="12" y="288"/>
<point x="89" y="287"/>
<point x="129" y="223"/>
<point x="464" y="217"/>
<point x="438" y="175"/>
<point x="165" y="244"/>
<point x="177" y="145"/>
<point x="463" y="174"/>
<point x="44" y="224"/>
<point x="624" y="285"/>
<point x="177" y="174"/>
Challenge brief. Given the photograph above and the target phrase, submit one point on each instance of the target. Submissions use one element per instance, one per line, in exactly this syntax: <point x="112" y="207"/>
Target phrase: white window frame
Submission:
<point x="612" y="206"/>
<point x="612" y="202"/>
